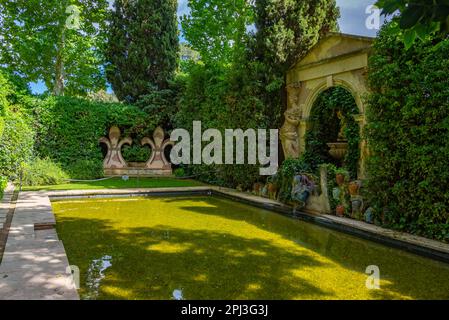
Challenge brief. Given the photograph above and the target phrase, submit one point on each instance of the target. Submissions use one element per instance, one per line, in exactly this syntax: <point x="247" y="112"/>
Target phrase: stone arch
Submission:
<point x="323" y="86"/>
<point x="338" y="60"/>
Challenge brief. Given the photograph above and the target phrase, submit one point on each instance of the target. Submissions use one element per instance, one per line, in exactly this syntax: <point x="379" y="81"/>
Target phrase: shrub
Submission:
<point x="85" y="169"/>
<point x="3" y="183"/>
<point x="16" y="143"/>
<point x="16" y="133"/>
<point x="40" y="172"/>
<point x="408" y="134"/>
<point x="136" y="153"/>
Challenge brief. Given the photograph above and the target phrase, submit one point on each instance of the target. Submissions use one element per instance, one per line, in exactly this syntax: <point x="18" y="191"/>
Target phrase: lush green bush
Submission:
<point x="16" y="133"/>
<point x="225" y="98"/>
<point x="86" y="169"/>
<point x="408" y="134"/>
<point x="69" y="129"/>
<point x="16" y="143"/>
<point x="3" y="183"/>
<point x="40" y="172"/>
<point x="136" y="153"/>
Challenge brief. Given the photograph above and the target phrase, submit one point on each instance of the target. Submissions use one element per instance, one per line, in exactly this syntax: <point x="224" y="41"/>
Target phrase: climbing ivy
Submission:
<point x="326" y="125"/>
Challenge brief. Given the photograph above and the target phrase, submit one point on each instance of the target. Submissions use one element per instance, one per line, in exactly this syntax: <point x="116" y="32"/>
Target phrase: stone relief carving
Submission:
<point x="114" y="158"/>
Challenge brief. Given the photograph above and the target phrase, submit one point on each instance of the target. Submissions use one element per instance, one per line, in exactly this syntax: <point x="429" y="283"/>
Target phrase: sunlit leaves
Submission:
<point x="418" y="18"/>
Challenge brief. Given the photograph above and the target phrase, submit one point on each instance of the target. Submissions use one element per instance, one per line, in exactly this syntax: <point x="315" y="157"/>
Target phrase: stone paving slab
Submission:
<point x="35" y="264"/>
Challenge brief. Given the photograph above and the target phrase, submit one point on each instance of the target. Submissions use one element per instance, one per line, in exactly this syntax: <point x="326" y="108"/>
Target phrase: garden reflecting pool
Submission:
<point x="204" y="247"/>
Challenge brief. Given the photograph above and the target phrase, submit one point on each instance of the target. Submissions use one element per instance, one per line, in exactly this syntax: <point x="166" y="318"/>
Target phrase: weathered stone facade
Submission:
<point x="337" y="60"/>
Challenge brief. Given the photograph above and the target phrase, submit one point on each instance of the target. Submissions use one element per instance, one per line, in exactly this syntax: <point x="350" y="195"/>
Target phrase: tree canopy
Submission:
<point x="142" y="49"/>
<point x="418" y="18"/>
<point x="56" y="41"/>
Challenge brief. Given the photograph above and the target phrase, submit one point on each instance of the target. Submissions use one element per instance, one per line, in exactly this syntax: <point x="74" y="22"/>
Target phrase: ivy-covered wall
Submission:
<point x="408" y="134"/>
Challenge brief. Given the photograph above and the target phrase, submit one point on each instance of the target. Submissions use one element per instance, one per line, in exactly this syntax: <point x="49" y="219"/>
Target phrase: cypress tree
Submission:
<point x="287" y="29"/>
<point x="142" y="48"/>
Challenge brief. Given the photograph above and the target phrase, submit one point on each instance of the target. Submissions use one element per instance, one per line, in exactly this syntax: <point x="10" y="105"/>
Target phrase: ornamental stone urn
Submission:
<point x="338" y="150"/>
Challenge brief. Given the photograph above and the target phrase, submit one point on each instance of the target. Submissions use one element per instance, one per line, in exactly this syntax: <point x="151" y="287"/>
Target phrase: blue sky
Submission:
<point x="352" y="21"/>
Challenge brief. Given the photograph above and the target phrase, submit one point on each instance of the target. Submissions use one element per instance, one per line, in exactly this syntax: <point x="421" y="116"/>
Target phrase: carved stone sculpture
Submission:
<point x="114" y="158"/>
<point x="302" y="188"/>
<point x="115" y="165"/>
<point x="157" y="161"/>
<point x="289" y="133"/>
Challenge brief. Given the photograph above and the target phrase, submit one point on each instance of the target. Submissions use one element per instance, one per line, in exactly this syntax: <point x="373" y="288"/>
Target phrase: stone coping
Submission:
<point x="34" y="264"/>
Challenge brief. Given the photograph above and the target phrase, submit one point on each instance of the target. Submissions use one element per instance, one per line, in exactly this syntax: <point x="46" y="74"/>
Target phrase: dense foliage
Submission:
<point x="332" y="109"/>
<point x="55" y="41"/>
<point x="68" y="130"/>
<point x="408" y="132"/>
<point x="42" y="172"/>
<point x="247" y="91"/>
<point x="217" y="29"/>
<point x="16" y="133"/>
<point x="142" y="47"/>
<point x="418" y="18"/>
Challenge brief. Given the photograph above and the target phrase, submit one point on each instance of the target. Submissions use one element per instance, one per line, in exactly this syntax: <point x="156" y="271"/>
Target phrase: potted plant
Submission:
<point x="340" y="210"/>
<point x="354" y="188"/>
<point x="340" y="176"/>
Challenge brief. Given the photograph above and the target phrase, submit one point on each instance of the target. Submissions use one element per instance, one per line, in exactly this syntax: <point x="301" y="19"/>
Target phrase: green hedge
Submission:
<point x="68" y="131"/>
<point x="226" y="98"/>
<point x="16" y="132"/>
<point x="408" y="134"/>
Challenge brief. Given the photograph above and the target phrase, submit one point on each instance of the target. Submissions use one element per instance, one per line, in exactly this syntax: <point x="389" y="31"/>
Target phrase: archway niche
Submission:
<point x="338" y="60"/>
<point x="333" y="134"/>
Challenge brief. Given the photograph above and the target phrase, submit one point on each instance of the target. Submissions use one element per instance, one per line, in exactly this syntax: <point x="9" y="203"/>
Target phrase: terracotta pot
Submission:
<point x="354" y="188"/>
<point x="340" y="211"/>
<point x="340" y="178"/>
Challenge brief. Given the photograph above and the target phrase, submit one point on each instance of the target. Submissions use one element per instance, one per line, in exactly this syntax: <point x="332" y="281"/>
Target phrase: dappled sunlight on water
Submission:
<point x="201" y="247"/>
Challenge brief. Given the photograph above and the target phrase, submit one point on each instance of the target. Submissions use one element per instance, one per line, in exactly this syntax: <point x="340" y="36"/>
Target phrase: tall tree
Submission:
<point x="287" y="29"/>
<point x="56" y="41"/>
<point x="217" y="28"/>
<point x="142" y="50"/>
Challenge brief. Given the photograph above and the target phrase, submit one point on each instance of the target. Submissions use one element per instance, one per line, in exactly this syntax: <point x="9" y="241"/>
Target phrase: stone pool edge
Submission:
<point x="414" y="244"/>
<point x="35" y="264"/>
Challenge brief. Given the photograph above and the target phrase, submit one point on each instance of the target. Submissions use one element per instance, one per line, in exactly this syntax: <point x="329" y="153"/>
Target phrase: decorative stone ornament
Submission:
<point x="114" y="158"/>
<point x="158" y="161"/>
<point x="115" y="165"/>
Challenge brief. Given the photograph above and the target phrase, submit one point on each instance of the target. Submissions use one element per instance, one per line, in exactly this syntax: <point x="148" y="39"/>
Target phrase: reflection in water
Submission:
<point x="177" y="294"/>
<point x="95" y="274"/>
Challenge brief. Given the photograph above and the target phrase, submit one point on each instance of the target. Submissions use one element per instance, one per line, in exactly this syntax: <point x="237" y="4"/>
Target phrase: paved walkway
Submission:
<point x="34" y="264"/>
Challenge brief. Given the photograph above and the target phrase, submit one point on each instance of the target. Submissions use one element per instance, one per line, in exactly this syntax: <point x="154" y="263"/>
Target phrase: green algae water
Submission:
<point x="201" y="247"/>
